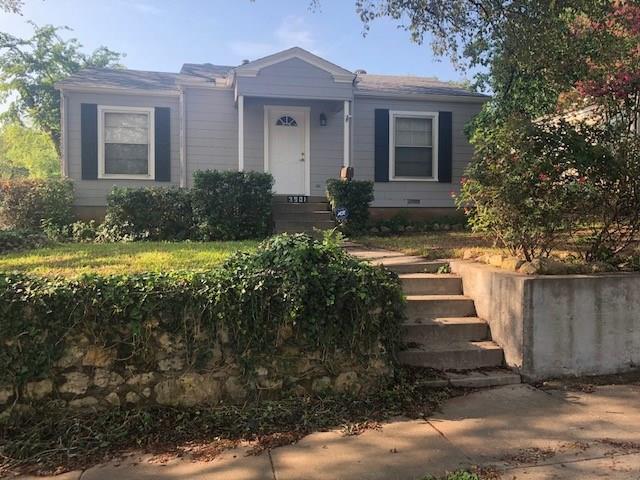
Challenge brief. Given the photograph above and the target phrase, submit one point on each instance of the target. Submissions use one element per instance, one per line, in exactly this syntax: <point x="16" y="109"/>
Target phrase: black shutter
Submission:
<point x="163" y="144"/>
<point x="89" y="141"/>
<point x="381" y="152"/>
<point x="445" y="134"/>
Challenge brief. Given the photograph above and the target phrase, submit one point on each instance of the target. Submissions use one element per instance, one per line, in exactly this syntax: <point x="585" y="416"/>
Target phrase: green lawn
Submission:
<point x="72" y="259"/>
<point x="433" y="245"/>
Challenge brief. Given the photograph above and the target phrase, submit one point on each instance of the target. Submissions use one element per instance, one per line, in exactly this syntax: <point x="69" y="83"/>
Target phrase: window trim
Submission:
<point x="150" y="112"/>
<point x="393" y="114"/>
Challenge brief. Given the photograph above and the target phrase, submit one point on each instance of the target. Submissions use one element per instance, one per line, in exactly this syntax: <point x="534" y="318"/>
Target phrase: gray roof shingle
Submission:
<point x="207" y="72"/>
<point x="121" y="78"/>
<point x="409" y="85"/>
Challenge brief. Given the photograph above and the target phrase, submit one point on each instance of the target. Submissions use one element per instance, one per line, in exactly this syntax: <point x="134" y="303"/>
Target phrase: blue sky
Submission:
<point x="163" y="34"/>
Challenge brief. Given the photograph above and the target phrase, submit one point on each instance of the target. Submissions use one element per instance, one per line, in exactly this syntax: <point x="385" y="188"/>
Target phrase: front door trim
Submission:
<point x="306" y="111"/>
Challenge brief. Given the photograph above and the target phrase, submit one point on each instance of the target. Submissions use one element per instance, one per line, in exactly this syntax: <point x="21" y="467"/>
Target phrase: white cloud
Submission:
<point x="293" y="31"/>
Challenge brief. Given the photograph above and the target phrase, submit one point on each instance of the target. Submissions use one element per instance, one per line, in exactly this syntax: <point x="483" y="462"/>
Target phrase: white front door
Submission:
<point x="286" y="149"/>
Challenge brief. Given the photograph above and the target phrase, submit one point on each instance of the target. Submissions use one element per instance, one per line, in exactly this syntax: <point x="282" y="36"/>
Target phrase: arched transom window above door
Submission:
<point x="286" y="121"/>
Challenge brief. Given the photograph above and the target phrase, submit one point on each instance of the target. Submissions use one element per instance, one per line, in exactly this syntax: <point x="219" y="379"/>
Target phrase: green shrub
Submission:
<point x="326" y="298"/>
<point x="401" y="222"/>
<point x="355" y="196"/>
<point x="11" y="240"/>
<point x="522" y="185"/>
<point x="232" y="205"/>
<point x="26" y="204"/>
<point x="156" y="213"/>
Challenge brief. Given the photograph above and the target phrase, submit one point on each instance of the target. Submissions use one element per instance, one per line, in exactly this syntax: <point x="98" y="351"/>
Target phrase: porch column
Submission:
<point x="240" y="133"/>
<point x="346" y="154"/>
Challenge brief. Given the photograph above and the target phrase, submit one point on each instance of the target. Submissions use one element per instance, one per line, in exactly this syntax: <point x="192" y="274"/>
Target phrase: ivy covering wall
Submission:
<point x="297" y="315"/>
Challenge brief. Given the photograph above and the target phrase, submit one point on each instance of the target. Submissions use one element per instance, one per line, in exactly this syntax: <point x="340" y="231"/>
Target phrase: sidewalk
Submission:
<point x="519" y="431"/>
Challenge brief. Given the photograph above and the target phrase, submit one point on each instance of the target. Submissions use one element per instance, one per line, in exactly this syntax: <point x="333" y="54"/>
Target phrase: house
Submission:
<point x="293" y="114"/>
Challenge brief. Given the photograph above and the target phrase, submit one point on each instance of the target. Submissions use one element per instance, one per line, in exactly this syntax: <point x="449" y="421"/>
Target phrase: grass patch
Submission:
<point x="439" y="245"/>
<point x="73" y="259"/>
<point x="433" y="245"/>
<point x="48" y="440"/>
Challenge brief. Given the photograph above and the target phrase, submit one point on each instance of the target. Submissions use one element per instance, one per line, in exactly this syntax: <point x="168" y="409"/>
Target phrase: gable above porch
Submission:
<point x="294" y="73"/>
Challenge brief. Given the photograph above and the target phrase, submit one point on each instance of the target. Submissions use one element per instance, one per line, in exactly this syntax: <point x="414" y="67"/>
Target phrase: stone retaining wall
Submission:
<point x="91" y="374"/>
<point x="558" y="325"/>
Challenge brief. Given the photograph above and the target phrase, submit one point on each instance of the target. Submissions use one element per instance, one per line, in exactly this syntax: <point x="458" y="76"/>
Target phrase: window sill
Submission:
<point x="125" y="177"/>
<point x="412" y="179"/>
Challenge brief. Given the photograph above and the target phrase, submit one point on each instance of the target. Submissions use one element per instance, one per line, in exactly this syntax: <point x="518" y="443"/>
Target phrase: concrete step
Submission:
<point x="454" y="356"/>
<point x="302" y="208"/>
<point x="484" y="378"/>
<point x="422" y="266"/>
<point x="431" y="284"/>
<point x="427" y="307"/>
<point x="494" y="377"/>
<point x="445" y="330"/>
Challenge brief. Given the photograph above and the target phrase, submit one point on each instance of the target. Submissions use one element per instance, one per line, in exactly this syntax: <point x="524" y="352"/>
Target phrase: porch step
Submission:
<point x="443" y="330"/>
<point x="454" y="356"/>
<point x="431" y="284"/>
<point x="300" y="208"/>
<point x="303" y="226"/>
<point x="288" y="216"/>
<point x="427" y="307"/>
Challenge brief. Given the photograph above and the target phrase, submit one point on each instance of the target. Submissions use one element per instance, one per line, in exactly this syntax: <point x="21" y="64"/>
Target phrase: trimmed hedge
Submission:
<point x="325" y="298"/>
<point x="221" y="206"/>
<point x="355" y="195"/>
<point x="232" y="205"/>
<point x="156" y="213"/>
<point x="26" y="204"/>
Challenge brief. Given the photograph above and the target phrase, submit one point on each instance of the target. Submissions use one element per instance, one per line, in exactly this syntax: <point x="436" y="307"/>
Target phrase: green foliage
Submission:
<point x="26" y="204"/>
<point x="232" y="205"/>
<point x="11" y="240"/>
<point x="402" y="222"/>
<point x="148" y="214"/>
<point x="531" y="182"/>
<point x="328" y="300"/>
<point x="355" y="196"/>
<point x="27" y="152"/>
<point x="518" y="187"/>
<point x="29" y="69"/>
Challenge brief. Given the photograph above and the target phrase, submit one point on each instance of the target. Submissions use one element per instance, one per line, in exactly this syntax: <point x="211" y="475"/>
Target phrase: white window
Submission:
<point x="413" y="146"/>
<point x="126" y="142"/>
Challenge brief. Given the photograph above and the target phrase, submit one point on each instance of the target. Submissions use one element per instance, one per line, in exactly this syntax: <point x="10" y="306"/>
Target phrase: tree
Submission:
<point x="29" y="69"/>
<point x="27" y="152"/>
<point x="523" y="48"/>
<point x="11" y="6"/>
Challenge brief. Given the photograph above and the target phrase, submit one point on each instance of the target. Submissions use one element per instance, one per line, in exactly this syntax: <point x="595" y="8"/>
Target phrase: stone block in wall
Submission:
<point x="97" y="356"/>
<point x="188" y="390"/>
<point x="107" y="379"/>
<point x="75" y="382"/>
<point x="38" y="390"/>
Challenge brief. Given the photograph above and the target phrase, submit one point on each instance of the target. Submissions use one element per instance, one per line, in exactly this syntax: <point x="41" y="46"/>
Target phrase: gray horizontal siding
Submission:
<point x="294" y="78"/>
<point x="211" y="131"/>
<point x="94" y="192"/>
<point x="396" y="194"/>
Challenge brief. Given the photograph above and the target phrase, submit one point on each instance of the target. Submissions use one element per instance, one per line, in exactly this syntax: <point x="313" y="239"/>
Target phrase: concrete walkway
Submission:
<point x="515" y="432"/>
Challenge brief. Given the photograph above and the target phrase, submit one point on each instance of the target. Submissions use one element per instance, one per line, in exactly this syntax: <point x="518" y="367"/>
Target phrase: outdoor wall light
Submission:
<point x="323" y="120"/>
